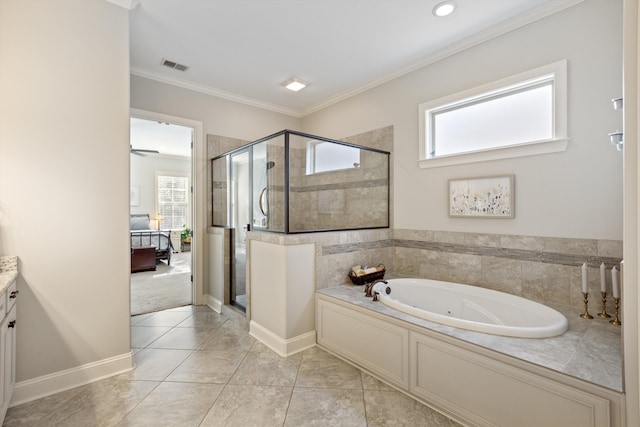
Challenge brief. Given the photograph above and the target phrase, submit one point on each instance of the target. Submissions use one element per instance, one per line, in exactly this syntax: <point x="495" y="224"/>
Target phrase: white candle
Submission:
<point x="614" y="281"/>
<point x="584" y="278"/>
<point x="603" y="278"/>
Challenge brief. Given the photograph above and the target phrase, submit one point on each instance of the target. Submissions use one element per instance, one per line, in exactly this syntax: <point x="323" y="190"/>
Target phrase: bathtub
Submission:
<point x="472" y="308"/>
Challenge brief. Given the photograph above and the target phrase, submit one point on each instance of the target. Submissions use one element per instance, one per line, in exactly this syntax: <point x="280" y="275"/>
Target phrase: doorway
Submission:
<point x="161" y="209"/>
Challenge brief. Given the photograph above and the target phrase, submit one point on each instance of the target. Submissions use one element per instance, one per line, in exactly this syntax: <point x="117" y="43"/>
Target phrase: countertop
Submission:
<point x="8" y="271"/>
<point x="590" y="350"/>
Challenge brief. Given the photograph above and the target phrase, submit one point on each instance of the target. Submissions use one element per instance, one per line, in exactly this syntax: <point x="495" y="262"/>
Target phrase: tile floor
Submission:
<point x="199" y="368"/>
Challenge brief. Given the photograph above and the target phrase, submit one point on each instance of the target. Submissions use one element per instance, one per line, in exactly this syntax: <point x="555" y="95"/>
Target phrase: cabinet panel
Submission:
<point x="487" y="393"/>
<point x="12" y="295"/>
<point x="369" y="342"/>
<point x="9" y="348"/>
<point x="4" y="335"/>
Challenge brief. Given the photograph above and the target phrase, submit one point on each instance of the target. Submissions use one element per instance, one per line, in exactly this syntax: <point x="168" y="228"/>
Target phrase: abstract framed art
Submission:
<point x="484" y="197"/>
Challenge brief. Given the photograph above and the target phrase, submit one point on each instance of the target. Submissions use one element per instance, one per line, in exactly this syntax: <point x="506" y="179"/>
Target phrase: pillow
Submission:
<point x="140" y="223"/>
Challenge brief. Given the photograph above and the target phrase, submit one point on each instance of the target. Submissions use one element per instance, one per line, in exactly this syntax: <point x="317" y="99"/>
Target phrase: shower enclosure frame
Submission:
<point x="287" y="226"/>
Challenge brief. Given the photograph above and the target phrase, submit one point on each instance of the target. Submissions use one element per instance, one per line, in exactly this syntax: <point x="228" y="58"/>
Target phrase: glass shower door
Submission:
<point x="240" y="215"/>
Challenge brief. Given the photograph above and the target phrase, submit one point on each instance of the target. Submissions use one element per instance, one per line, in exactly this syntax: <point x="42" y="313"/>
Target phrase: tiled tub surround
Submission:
<point x="543" y="269"/>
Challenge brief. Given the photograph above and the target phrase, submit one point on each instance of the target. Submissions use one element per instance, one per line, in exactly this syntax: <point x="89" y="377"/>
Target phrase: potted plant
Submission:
<point x="185" y="234"/>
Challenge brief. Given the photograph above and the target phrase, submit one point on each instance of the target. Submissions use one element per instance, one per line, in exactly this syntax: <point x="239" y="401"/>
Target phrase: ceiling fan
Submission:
<point x="141" y="152"/>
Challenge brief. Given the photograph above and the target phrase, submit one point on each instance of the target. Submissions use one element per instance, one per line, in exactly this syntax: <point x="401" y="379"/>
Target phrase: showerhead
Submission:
<point x="270" y="165"/>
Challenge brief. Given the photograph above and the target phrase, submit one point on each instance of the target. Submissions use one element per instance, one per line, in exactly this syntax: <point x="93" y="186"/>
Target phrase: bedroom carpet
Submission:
<point x="167" y="287"/>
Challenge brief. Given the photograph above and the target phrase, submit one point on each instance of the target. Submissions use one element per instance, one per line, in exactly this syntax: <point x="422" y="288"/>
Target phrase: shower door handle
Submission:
<point x="262" y="197"/>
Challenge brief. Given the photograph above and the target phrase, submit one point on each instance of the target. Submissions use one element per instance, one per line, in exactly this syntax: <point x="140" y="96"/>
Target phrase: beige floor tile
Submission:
<point x="249" y="405"/>
<point x="236" y="325"/>
<point x="174" y="404"/>
<point x="154" y="364"/>
<point x="229" y="338"/>
<point x="236" y="381"/>
<point x="165" y="318"/>
<point x="140" y="317"/>
<point x="321" y="369"/>
<point x="371" y="383"/>
<point x="208" y="367"/>
<point x="191" y="308"/>
<point x="267" y="368"/>
<point x="384" y="407"/>
<point x="258" y="347"/>
<point x="182" y="338"/>
<point x="30" y="413"/>
<point x="103" y="403"/>
<point x="142" y="336"/>
<point x="326" y="408"/>
<point x="203" y="319"/>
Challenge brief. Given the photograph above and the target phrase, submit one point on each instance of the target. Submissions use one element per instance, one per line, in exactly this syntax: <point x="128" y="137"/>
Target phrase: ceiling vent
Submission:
<point x="174" y="65"/>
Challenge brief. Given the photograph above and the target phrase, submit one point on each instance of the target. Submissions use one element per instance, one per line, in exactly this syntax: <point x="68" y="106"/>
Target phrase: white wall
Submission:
<point x="219" y="116"/>
<point x="143" y="176"/>
<point x="64" y="178"/>
<point x="577" y="193"/>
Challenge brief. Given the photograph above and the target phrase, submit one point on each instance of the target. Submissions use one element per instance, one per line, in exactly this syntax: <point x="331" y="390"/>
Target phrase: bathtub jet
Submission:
<point x="471" y="308"/>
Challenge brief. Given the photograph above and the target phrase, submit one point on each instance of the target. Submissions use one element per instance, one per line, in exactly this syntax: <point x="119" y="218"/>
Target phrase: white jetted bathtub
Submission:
<point x="472" y="308"/>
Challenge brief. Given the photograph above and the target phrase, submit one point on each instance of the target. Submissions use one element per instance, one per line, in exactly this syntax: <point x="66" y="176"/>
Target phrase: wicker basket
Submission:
<point x="367" y="278"/>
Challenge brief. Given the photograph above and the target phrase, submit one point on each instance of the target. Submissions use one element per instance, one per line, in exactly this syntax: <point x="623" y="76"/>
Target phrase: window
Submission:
<point x="327" y="156"/>
<point x="173" y="200"/>
<point x="517" y="116"/>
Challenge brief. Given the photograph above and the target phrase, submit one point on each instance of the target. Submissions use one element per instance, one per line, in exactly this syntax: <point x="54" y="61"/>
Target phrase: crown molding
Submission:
<point x="214" y="92"/>
<point x="127" y="4"/>
<point x="454" y="48"/>
<point x="504" y="27"/>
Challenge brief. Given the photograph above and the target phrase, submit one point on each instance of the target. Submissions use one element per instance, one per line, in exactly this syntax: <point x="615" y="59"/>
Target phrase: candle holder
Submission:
<point x="604" y="313"/>
<point x="586" y="314"/>
<point x="616" y="320"/>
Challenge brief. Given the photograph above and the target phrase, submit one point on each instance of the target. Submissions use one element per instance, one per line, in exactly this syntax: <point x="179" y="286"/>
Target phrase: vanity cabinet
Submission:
<point x="7" y="346"/>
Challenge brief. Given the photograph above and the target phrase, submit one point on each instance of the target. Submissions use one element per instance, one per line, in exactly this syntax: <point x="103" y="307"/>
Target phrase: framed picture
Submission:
<point x="486" y="197"/>
<point x="134" y="196"/>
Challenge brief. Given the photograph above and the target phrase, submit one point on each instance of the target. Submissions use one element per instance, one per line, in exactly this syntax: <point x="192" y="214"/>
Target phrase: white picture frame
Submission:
<point x="134" y="196"/>
<point x="482" y="197"/>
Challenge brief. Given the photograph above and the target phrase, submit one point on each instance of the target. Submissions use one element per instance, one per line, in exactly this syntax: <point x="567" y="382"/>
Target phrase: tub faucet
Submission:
<point x="368" y="288"/>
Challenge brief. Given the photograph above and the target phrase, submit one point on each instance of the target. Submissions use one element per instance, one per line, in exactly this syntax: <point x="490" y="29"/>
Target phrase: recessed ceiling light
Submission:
<point x="445" y="8"/>
<point x="295" y="84"/>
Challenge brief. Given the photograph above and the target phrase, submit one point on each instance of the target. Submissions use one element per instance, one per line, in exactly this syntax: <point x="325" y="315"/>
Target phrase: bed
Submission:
<point x="143" y="236"/>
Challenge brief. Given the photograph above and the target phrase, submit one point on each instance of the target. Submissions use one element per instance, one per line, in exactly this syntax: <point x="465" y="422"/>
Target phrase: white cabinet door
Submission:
<point x="7" y="359"/>
<point x="9" y="347"/>
<point x="4" y="333"/>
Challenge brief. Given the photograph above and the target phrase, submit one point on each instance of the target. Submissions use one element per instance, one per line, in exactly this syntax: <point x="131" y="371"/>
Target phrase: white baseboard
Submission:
<point x="284" y="347"/>
<point x="35" y="388"/>
<point x="214" y="303"/>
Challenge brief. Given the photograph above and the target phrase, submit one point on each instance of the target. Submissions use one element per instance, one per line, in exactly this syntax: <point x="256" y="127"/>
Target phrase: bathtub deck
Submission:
<point x="590" y="350"/>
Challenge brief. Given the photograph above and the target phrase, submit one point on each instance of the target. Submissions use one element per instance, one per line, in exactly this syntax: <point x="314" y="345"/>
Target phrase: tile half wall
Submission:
<point x="544" y="269"/>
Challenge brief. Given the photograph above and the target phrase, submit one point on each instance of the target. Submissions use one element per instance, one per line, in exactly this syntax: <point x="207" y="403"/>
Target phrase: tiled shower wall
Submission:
<point x="342" y="199"/>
